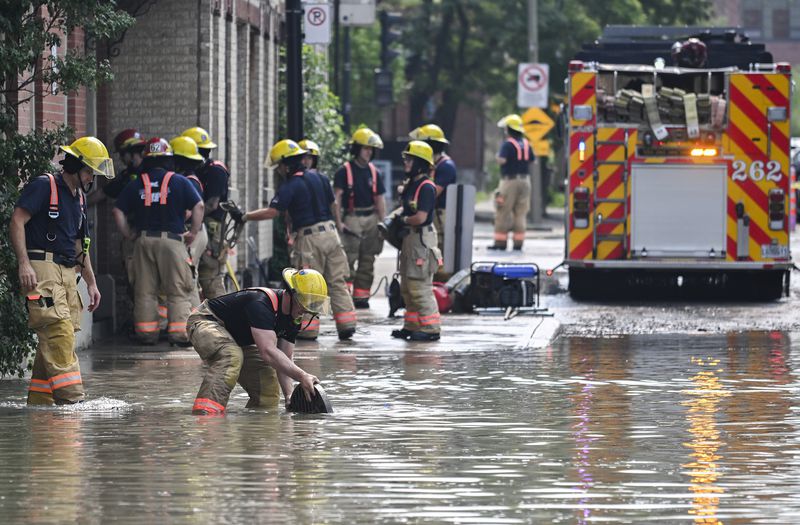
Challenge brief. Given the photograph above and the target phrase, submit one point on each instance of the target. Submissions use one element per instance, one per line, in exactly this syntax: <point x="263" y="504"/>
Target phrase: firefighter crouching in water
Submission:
<point x="359" y="190"/>
<point x="444" y="175"/>
<point x="187" y="159"/>
<point x="308" y="199"/>
<point x="49" y="234"/>
<point x="214" y="176"/>
<point x="419" y="256"/>
<point x="248" y="337"/>
<point x="160" y="199"/>
<point x="513" y="197"/>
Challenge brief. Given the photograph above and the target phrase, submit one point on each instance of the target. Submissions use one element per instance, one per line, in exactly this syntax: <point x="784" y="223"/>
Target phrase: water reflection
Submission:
<point x="704" y="472"/>
<point x="626" y="429"/>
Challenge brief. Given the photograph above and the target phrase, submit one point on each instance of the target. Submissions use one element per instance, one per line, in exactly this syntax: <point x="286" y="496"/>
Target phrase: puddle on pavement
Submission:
<point x="677" y="429"/>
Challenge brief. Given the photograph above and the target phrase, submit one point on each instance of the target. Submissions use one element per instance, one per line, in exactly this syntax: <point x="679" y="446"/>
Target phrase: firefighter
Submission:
<point x="248" y="337"/>
<point x="49" y="234"/>
<point x="443" y="176"/>
<point x="513" y="197"/>
<point x="419" y="255"/>
<point x="359" y="190"/>
<point x="160" y="200"/>
<point x="215" y="177"/>
<point x="307" y="197"/>
<point x="187" y="159"/>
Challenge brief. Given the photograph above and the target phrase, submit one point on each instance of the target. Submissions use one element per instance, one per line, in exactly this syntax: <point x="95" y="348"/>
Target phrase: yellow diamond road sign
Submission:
<point x="537" y="124"/>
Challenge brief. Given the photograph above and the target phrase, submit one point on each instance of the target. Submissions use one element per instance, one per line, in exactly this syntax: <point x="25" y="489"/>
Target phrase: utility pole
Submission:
<point x="536" y="212"/>
<point x="346" y="82"/>
<point x="335" y="82"/>
<point x="294" y="69"/>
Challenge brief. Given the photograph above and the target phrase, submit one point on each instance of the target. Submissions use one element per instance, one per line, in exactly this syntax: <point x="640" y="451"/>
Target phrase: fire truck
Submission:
<point x="677" y="175"/>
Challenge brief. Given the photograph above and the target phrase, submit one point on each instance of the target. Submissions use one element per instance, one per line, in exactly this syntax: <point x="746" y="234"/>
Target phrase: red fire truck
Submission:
<point x="678" y="175"/>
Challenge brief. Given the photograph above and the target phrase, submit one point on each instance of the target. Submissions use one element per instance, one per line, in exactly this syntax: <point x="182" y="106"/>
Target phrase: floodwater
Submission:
<point x="661" y="428"/>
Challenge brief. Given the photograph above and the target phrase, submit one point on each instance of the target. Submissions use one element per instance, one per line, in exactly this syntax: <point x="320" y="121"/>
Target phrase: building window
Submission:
<point x="780" y="24"/>
<point x="753" y="20"/>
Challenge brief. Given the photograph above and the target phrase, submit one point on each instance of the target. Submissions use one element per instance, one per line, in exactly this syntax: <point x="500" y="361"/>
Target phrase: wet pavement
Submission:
<point x="670" y="413"/>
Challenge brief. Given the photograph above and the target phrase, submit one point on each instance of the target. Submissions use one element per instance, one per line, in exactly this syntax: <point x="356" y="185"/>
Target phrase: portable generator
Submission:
<point x="504" y="287"/>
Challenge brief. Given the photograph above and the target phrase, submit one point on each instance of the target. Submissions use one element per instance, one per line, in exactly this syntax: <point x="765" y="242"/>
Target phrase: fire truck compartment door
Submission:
<point x="678" y="210"/>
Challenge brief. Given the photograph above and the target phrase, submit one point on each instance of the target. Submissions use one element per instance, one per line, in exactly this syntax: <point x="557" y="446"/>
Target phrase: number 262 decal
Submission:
<point x="757" y="171"/>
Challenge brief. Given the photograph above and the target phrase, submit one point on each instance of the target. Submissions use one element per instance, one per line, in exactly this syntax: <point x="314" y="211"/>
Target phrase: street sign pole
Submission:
<point x="536" y="212"/>
<point x="294" y="70"/>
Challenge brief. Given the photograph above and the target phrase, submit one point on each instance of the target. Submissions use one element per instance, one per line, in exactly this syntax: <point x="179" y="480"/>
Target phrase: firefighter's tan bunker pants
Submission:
<point x="228" y="363"/>
<point x="439" y="224"/>
<point x="195" y="251"/>
<point x="318" y="247"/>
<point x="362" y="246"/>
<point x="162" y="264"/>
<point x="512" y="203"/>
<point x="419" y="260"/>
<point x="54" y="313"/>
<point x="211" y="268"/>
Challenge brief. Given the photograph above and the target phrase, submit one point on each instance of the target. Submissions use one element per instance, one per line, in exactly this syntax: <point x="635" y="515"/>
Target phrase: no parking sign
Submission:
<point x="317" y="21"/>
<point x="532" y="80"/>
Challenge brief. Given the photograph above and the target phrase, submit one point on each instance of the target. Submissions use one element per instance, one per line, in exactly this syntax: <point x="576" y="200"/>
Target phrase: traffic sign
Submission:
<point x="356" y="12"/>
<point x="317" y="20"/>
<point x="537" y="124"/>
<point x="532" y="80"/>
<point x="541" y="148"/>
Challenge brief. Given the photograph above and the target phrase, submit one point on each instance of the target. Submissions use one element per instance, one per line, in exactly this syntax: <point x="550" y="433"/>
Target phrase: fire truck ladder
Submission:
<point x="598" y="237"/>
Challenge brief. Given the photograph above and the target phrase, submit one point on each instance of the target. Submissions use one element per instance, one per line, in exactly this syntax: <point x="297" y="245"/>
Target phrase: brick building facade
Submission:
<point x="207" y="63"/>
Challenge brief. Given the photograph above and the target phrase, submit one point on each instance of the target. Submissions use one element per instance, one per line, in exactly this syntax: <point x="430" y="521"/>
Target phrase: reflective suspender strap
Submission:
<point x="351" y="196"/>
<point x="527" y="150"/>
<point x="164" y="187"/>
<point x="148" y="192"/>
<point x="419" y="188"/>
<point x="197" y="180"/>
<point x="273" y="297"/>
<point x="374" y="172"/>
<point x="53" y="209"/>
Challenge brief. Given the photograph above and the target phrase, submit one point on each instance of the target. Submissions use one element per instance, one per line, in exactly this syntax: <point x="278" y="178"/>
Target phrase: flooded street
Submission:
<point x="667" y="428"/>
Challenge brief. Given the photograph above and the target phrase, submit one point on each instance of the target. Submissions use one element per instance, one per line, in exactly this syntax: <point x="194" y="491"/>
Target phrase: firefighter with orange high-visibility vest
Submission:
<point x="307" y="198"/>
<point x="248" y="337"/>
<point x="50" y="237"/>
<point x="215" y="178"/>
<point x="160" y="200"/>
<point x="513" y="196"/>
<point x="420" y="257"/>
<point x="359" y="190"/>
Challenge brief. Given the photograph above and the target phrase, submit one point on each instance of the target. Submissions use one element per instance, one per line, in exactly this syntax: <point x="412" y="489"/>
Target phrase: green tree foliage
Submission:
<point x="27" y="30"/>
<point x="472" y="48"/>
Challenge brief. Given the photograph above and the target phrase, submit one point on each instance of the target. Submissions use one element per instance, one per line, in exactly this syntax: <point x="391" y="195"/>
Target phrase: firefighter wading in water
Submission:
<point x="160" y="200"/>
<point x="50" y="237"/>
<point x="214" y="177"/>
<point x="359" y="190"/>
<point x="248" y="337"/>
<point x="420" y="258"/>
<point x="513" y="196"/>
<point x="307" y="197"/>
<point x="444" y="174"/>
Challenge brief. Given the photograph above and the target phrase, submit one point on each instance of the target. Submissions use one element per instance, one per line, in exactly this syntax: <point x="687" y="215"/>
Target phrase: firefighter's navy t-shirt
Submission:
<point x="246" y="309"/>
<point x="35" y="198"/>
<point x="181" y="196"/>
<point x="514" y="165"/>
<point x="426" y="199"/>
<point x="444" y="176"/>
<point x="214" y="176"/>
<point x="362" y="186"/>
<point x="293" y="196"/>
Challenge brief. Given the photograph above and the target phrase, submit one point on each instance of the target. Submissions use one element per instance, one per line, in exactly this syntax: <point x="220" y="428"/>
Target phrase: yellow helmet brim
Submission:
<point x="100" y="165"/>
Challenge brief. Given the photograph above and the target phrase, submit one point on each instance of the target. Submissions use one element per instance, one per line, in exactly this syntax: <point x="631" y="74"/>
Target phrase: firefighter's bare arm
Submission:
<point x="27" y="277"/>
<point x="87" y="272"/>
<point x="197" y="222"/>
<point x="261" y="214"/>
<point x="266" y="341"/>
<point x="380" y="206"/>
<point x="416" y="219"/>
<point x="212" y="203"/>
<point x="337" y="215"/>
<point x="288" y="349"/>
<point x="122" y="224"/>
<point x="501" y="160"/>
<point x="439" y="190"/>
<point x="337" y="193"/>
